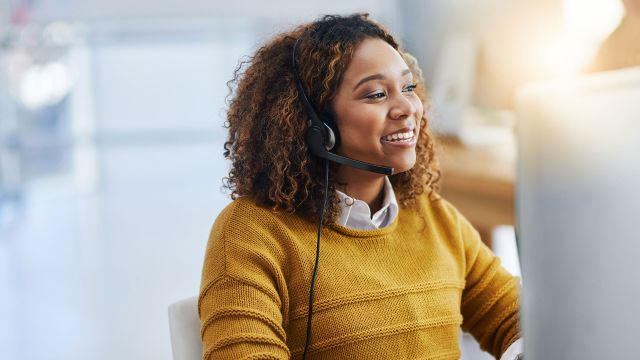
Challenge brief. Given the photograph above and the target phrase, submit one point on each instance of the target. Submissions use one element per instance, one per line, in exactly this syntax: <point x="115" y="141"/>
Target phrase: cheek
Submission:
<point x="360" y="126"/>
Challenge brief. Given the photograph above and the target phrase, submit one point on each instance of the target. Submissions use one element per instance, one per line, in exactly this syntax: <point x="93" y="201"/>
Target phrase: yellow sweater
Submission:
<point x="400" y="292"/>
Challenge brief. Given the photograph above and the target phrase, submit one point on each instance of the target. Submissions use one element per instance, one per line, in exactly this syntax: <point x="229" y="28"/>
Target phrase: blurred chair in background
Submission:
<point x="184" y="325"/>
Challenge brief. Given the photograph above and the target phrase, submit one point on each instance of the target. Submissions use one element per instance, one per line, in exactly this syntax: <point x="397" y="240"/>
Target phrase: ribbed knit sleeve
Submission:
<point x="243" y="292"/>
<point x="490" y="300"/>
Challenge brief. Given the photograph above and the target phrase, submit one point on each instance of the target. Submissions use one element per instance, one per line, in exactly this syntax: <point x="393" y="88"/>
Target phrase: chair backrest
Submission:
<point x="184" y="326"/>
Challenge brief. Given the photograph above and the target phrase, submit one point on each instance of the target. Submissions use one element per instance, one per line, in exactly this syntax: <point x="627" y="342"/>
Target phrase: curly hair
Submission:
<point x="266" y="120"/>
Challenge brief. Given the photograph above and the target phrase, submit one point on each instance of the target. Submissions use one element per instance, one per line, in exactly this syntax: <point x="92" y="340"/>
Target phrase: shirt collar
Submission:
<point x="355" y="213"/>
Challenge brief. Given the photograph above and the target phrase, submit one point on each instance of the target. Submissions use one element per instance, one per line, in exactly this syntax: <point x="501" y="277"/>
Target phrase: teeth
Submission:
<point x="403" y="137"/>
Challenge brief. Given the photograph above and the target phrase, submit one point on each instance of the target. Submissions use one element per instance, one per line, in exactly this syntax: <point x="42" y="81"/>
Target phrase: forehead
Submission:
<point x="374" y="56"/>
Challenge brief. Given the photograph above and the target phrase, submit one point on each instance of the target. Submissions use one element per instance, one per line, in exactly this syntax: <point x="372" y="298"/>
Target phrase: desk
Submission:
<point x="479" y="181"/>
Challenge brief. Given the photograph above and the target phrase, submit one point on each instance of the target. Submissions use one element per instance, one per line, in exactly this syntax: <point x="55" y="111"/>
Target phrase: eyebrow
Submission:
<point x="377" y="77"/>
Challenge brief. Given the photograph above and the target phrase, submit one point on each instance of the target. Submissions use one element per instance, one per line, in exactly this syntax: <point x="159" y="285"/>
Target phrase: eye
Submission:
<point x="410" y="88"/>
<point x="376" y="95"/>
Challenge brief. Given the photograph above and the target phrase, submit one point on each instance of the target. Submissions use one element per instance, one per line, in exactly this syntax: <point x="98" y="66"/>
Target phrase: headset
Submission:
<point x="321" y="137"/>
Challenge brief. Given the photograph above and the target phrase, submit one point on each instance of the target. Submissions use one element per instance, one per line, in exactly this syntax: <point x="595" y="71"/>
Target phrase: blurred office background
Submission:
<point x="111" y="133"/>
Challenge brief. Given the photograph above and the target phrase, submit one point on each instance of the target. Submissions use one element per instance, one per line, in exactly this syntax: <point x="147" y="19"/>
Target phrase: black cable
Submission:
<point x="315" y="267"/>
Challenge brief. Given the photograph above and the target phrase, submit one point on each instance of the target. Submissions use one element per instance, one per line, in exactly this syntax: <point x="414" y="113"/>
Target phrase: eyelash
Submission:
<point x="379" y="95"/>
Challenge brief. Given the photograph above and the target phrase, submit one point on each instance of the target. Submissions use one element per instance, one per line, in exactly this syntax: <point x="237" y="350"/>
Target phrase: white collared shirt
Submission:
<point x="356" y="214"/>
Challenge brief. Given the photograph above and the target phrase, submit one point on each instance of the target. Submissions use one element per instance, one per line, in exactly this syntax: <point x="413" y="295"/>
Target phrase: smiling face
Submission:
<point x="377" y="111"/>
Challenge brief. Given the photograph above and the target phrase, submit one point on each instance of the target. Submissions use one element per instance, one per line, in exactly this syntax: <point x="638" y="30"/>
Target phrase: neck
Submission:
<point x="362" y="185"/>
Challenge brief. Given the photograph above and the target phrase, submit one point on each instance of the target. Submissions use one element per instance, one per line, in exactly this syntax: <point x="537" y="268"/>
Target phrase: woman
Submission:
<point x="400" y="269"/>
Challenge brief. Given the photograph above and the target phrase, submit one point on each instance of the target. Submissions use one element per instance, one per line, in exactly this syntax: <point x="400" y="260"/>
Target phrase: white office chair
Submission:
<point x="184" y="326"/>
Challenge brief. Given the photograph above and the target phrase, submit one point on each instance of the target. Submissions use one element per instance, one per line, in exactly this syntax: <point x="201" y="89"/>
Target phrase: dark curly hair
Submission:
<point x="266" y="120"/>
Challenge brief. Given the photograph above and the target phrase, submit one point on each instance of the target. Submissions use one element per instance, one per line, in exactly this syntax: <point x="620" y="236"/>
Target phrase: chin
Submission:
<point x="402" y="167"/>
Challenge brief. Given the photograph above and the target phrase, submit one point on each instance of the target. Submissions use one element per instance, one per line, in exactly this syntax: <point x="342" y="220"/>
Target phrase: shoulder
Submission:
<point x="245" y="224"/>
<point x="439" y="210"/>
<point x="245" y="213"/>
<point x="244" y="221"/>
<point x="242" y="212"/>
<point x="246" y="235"/>
<point x="445" y="221"/>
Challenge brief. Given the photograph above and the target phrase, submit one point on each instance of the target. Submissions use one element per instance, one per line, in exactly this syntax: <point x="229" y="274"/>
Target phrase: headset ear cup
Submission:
<point x="333" y="132"/>
<point x="330" y="141"/>
<point x="314" y="139"/>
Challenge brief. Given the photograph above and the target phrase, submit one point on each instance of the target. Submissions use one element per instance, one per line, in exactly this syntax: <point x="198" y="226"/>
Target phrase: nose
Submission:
<point x="401" y="107"/>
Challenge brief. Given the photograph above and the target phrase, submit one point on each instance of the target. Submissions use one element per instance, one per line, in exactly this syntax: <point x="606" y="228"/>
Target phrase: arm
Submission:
<point x="240" y="321"/>
<point x="242" y="295"/>
<point x="490" y="300"/>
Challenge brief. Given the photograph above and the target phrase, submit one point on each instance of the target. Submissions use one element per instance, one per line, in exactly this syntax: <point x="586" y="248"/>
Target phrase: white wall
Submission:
<point x="284" y="10"/>
<point x="4" y="17"/>
<point x="508" y="34"/>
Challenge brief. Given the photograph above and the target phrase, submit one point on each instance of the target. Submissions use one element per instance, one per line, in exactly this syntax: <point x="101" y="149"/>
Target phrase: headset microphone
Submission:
<point x="314" y="137"/>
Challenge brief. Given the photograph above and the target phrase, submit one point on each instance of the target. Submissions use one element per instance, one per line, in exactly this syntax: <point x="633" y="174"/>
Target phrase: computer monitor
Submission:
<point x="578" y="216"/>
